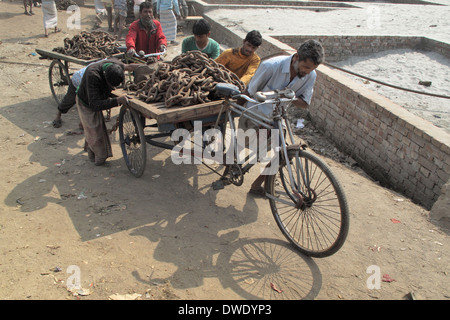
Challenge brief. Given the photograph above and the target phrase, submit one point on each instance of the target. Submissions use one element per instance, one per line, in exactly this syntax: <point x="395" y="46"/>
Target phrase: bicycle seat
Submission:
<point x="226" y="90"/>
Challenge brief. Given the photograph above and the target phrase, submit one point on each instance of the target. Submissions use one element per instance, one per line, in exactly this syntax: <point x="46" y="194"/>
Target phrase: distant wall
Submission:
<point x="395" y="147"/>
<point x="206" y="5"/>
<point x="339" y="48"/>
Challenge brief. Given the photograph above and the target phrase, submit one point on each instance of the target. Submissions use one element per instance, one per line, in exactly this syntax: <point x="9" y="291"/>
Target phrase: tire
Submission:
<point x="58" y="77"/>
<point x="132" y="140"/>
<point x="316" y="222"/>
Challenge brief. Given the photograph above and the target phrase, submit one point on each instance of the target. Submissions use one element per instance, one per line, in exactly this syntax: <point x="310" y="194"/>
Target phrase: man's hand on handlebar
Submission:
<point x="131" y="52"/>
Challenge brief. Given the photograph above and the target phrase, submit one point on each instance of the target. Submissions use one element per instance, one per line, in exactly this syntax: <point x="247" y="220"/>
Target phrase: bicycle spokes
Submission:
<point x="309" y="205"/>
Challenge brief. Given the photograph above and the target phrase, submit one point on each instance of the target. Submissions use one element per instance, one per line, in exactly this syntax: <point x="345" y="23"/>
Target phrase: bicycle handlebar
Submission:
<point x="269" y="97"/>
<point x="263" y="96"/>
<point x="150" y="54"/>
<point x="232" y="91"/>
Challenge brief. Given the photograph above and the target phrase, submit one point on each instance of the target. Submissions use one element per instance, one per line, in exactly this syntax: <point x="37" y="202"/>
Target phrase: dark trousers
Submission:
<point x="69" y="99"/>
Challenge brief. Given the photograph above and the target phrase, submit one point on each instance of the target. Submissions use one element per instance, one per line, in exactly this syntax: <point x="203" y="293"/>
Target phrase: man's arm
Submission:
<point x="260" y="79"/>
<point x="132" y="66"/>
<point x="304" y="98"/>
<point x="215" y="50"/>
<point x="251" y="70"/>
<point x="224" y="58"/>
<point x="96" y="102"/>
<point x="161" y="38"/>
<point x="130" y="39"/>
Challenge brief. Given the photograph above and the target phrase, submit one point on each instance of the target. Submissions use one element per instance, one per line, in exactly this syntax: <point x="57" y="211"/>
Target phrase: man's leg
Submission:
<point x="25" y="5"/>
<point x="66" y="103"/>
<point x="116" y="23"/>
<point x="121" y="26"/>
<point x="110" y="17"/>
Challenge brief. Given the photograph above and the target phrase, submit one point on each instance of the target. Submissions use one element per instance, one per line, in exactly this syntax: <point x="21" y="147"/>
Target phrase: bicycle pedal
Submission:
<point x="219" y="184"/>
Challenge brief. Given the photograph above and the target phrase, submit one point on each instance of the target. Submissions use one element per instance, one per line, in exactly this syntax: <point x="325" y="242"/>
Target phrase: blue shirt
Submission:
<point x="162" y="5"/>
<point x="120" y="4"/>
<point x="274" y="74"/>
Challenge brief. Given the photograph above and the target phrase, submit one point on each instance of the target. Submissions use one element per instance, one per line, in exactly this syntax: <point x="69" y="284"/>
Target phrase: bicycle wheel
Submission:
<point x="132" y="140"/>
<point x="58" y="77"/>
<point x="314" y="217"/>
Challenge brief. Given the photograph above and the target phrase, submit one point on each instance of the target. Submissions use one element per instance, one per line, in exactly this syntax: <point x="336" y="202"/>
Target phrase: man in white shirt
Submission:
<point x="296" y="72"/>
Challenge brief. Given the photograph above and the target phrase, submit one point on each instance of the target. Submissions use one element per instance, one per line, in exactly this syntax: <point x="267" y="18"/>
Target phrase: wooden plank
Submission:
<point x="161" y="114"/>
<point x="194" y="112"/>
<point x="63" y="57"/>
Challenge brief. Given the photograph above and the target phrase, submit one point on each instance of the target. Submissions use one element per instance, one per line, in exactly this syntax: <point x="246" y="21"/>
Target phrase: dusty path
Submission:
<point x="168" y="235"/>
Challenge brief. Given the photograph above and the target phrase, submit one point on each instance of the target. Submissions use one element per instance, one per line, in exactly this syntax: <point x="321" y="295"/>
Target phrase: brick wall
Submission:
<point x="395" y="147"/>
<point x="400" y="150"/>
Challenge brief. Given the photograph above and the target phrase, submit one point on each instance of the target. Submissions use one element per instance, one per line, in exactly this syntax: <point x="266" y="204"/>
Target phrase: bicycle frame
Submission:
<point x="306" y="199"/>
<point x="277" y="121"/>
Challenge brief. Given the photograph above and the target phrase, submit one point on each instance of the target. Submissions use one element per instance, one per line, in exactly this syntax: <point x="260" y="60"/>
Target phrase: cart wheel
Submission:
<point x="132" y="140"/>
<point x="58" y="77"/>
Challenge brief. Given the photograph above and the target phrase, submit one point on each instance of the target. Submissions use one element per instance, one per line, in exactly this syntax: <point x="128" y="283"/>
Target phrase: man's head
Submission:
<point x="146" y="12"/>
<point x="114" y="74"/>
<point x="145" y="5"/>
<point x="309" y="56"/>
<point x="201" y="31"/>
<point x="251" y="43"/>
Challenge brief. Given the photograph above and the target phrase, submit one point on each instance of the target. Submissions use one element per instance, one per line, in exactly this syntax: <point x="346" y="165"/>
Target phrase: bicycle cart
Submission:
<point x="306" y="199"/>
<point x="59" y="72"/>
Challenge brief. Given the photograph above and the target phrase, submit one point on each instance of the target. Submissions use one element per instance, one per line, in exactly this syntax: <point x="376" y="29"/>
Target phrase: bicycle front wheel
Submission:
<point x="311" y="208"/>
<point x="58" y="77"/>
<point x="132" y="140"/>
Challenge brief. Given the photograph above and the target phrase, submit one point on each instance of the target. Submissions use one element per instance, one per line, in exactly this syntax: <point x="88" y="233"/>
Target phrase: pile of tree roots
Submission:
<point x="189" y="79"/>
<point x="90" y="45"/>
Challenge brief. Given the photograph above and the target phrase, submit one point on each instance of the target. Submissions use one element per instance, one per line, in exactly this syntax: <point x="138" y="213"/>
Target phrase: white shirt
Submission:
<point x="274" y="74"/>
<point x="78" y="75"/>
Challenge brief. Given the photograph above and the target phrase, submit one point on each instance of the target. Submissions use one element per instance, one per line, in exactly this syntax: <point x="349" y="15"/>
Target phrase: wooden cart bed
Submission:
<point x="45" y="54"/>
<point x="162" y="114"/>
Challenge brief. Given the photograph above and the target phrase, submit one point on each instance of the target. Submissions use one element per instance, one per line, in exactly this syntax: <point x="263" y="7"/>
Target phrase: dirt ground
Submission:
<point x="169" y="235"/>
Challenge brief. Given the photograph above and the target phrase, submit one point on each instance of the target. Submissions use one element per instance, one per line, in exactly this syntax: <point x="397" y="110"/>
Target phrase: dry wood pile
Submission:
<point x="90" y="45"/>
<point x="187" y="80"/>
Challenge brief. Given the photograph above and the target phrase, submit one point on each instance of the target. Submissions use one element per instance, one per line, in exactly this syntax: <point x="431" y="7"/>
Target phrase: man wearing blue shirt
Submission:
<point x="296" y="72"/>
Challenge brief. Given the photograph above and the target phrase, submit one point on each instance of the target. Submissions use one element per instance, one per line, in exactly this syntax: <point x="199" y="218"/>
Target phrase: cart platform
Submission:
<point x="163" y="115"/>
